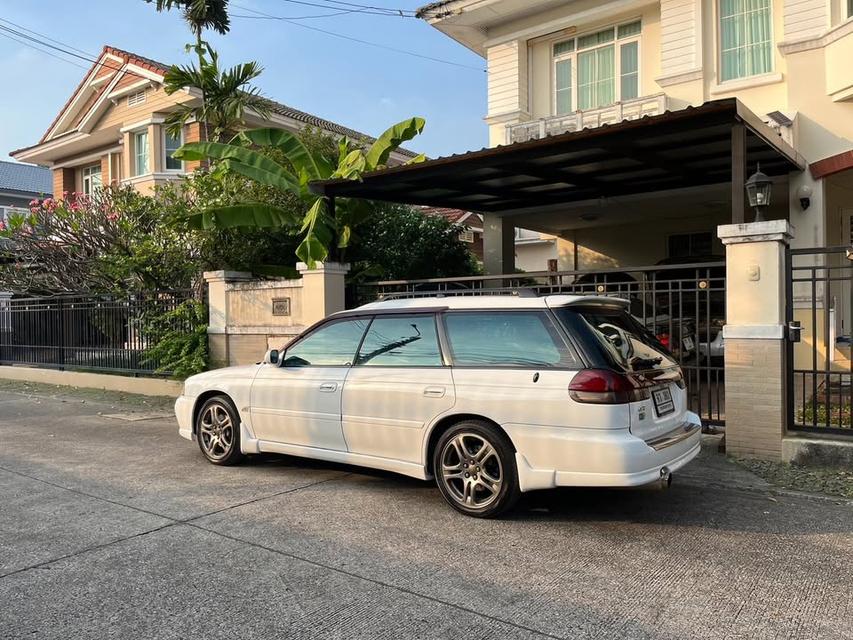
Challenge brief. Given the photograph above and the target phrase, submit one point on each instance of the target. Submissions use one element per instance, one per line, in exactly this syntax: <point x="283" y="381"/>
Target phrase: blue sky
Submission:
<point x="362" y="87"/>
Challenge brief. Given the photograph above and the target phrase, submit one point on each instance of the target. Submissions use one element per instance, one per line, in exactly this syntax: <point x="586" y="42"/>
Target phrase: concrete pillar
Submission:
<point x="498" y="245"/>
<point x="5" y="312"/>
<point x="755" y="350"/>
<point x="217" y="303"/>
<point x="323" y="290"/>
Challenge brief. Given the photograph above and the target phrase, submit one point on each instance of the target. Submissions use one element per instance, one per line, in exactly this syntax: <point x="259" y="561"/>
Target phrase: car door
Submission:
<point x="397" y="387"/>
<point x="299" y="401"/>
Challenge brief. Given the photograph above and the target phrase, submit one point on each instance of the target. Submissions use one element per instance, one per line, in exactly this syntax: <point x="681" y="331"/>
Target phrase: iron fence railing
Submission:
<point x="683" y="305"/>
<point x="820" y="366"/>
<point x="97" y="332"/>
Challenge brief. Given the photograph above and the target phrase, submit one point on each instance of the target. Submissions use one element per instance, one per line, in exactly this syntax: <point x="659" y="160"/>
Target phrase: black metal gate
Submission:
<point x="97" y="332"/>
<point x="684" y="305"/>
<point x="820" y="367"/>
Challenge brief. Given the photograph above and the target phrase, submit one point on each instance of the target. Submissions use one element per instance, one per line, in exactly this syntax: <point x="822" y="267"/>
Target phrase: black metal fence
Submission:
<point x="109" y="333"/>
<point x="683" y="305"/>
<point x="820" y="367"/>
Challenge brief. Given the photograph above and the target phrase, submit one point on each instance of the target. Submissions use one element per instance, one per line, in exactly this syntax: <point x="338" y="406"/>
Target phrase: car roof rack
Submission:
<point x="520" y="292"/>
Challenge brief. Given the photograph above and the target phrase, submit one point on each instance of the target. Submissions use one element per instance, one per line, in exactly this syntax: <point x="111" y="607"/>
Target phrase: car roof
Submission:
<point x="486" y="302"/>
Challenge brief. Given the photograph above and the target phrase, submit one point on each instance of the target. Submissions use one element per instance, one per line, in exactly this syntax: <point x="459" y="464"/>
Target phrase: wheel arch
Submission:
<point x="446" y="422"/>
<point x="204" y="397"/>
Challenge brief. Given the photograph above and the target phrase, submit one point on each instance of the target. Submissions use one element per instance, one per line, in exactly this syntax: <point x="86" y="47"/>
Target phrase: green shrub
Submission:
<point x="179" y="339"/>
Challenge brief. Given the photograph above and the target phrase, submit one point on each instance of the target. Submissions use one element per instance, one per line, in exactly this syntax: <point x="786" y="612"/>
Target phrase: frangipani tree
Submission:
<point x="320" y="229"/>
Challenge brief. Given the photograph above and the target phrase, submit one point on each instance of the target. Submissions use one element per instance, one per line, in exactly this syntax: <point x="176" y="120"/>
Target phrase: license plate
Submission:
<point x="663" y="401"/>
<point x="688" y="344"/>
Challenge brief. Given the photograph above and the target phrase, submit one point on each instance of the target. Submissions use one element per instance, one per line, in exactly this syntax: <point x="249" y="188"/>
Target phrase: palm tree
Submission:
<point x="226" y="95"/>
<point x="200" y="15"/>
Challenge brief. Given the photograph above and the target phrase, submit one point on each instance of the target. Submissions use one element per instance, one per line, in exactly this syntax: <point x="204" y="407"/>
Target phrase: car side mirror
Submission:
<point x="271" y="357"/>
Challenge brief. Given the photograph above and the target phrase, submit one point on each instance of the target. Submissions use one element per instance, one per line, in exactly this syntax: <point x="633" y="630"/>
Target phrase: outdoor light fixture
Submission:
<point x="758" y="191"/>
<point x="804" y="193"/>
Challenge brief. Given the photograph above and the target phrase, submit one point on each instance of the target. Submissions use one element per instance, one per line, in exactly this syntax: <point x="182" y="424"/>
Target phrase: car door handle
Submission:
<point x="329" y="387"/>
<point x="435" y="392"/>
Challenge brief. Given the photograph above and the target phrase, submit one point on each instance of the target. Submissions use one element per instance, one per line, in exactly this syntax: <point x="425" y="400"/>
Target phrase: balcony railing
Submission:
<point x="590" y="118"/>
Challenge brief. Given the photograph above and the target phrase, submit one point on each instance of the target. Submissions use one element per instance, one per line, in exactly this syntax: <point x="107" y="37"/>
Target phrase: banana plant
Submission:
<point x="319" y="229"/>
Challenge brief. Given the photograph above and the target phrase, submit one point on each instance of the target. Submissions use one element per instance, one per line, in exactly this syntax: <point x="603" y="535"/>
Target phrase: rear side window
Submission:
<point x="332" y="345"/>
<point x="627" y="343"/>
<point x="506" y="338"/>
<point x="401" y="341"/>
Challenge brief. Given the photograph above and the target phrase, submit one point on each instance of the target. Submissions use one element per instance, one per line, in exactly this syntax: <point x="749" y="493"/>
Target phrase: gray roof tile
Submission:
<point x="26" y="178"/>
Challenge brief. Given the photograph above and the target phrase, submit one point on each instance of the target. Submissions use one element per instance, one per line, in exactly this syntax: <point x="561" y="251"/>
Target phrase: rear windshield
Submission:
<point x="625" y="341"/>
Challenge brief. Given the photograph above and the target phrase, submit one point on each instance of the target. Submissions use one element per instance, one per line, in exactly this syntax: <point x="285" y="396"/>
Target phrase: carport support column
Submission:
<point x="217" y="313"/>
<point x="498" y="245"/>
<point x="755" y="350"/>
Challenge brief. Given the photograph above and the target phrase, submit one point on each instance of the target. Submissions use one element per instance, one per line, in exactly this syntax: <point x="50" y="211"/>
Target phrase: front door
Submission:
<point x="397" y="387"/>
<point x="299" y="402"/>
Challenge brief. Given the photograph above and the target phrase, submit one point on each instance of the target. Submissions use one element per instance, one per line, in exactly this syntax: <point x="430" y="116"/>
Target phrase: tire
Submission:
<point x="218" y="431"/>
<point x="475" y="480"/>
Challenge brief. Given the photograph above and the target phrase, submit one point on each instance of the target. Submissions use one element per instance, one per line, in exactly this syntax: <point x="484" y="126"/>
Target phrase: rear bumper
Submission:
<point x="184" y="414"/>
<point x="549" y="457"/>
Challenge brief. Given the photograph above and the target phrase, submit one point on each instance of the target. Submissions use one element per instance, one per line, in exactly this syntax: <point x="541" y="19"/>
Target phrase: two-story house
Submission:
<point x="110" y="131"/>
<point x="556" y="67"/>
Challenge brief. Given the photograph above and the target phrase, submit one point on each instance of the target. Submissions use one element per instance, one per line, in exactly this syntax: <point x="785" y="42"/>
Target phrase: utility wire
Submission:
<point x="260" y="15"/>
<point x="33" y="41"/>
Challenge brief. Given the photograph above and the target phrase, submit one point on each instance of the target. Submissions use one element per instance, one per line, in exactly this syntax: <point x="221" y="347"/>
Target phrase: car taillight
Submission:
<point x="663" y="338"/>
<point x="602" y="386"/>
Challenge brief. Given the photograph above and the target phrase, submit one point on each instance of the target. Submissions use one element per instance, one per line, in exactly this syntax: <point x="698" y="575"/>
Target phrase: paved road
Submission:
<point x="118" y="529"/>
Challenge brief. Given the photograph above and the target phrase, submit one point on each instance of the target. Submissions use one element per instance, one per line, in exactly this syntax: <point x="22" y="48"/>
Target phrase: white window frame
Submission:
<point x="135" y="165"/>
<point x="718" y="27"/>
<point x="165" y="135"/>
<point x="87" y="177"/>
<point x="467" y="235"/>
<point x="616" y="43"/>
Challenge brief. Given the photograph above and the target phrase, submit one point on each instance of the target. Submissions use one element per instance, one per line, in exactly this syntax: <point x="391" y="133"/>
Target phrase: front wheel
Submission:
<point x="218" y="431"/>
<point x="475" y="470"/>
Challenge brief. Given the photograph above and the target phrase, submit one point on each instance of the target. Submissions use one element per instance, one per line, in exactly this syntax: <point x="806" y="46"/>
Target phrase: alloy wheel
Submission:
<point x="216" y="431"/>
<point x="471" y="470"/>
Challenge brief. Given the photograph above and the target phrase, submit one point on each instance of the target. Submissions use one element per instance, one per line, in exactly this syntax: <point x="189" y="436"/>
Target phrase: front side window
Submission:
<point x="746" y="47"/>
<point x="597" y="69"/>
<point x="171" y="144"/>
<point x="140" y="151"/>
<point x="92" y="179"/>
<point x="505" y="339"/>
<point x="401" y="341"/>
<point x="332" y="345"/>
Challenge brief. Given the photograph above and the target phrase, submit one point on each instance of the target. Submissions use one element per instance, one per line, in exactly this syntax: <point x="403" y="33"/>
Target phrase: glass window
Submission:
<point x="629" y="70"/>
<point x="628" y="344"/>
<point x="563" y="70"/>
<point x="682" y="245"/>
<point x="745" y="38"/>
<point x="630" y="29"/>
<point x="401" y="341"/>
<point x="567" y="46"/>
<point x="509" y="338"/>
<point x="599" y="74"/>
<point x="596" y="78"/>
<point x="850" y="8"/>
<point x="332" y="345"/>
<point x="92" y="179"/>
<point x="172" y="144"/>
<point x="594" y="39"/>
<point x="140" y="150"/>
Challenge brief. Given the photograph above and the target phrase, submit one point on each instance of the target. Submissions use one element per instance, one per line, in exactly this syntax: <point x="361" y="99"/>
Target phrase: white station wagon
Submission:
<point x="491" y="395"/>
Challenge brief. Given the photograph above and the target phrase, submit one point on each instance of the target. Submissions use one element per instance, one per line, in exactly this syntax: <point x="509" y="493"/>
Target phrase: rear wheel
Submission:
<point x="218" y="431"/>
<point x="475" y="469"/>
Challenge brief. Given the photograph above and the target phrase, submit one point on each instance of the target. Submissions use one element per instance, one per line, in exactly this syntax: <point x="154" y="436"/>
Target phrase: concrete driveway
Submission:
<point x="112" y="528"/>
